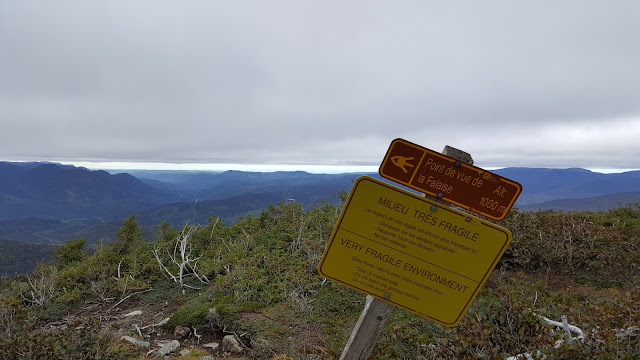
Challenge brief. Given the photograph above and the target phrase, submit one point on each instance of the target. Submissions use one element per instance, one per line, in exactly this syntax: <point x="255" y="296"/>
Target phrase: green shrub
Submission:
<point x="72" y="251"/>
<point x="192" y="313"/>
<point x="264" y="285"/>
<point x="571" y="243"/>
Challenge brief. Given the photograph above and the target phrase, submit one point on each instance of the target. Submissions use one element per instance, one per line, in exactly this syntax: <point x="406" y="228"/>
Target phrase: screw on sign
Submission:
<point x="450" y="179"/>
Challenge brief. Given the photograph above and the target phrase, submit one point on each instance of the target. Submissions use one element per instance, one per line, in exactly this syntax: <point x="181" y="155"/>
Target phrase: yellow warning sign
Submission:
<point x="412" y="252"/>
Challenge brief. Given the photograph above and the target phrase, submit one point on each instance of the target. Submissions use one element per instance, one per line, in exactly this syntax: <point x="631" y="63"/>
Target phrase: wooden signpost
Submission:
<point x="407" y="251"/>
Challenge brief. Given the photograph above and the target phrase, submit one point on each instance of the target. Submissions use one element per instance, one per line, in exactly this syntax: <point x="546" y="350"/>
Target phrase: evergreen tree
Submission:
<point x="129" y="237"/>
<point x="71" y="251"/>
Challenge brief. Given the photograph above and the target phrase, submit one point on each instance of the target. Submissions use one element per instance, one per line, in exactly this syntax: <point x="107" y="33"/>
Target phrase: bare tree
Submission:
<point x="181" y="260"/>
<point x="40" y="285"/>
<point x="7" y="314"/>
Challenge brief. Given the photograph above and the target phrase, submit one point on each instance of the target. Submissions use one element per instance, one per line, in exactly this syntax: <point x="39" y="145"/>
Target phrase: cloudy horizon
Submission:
<point x="308" y="84"/>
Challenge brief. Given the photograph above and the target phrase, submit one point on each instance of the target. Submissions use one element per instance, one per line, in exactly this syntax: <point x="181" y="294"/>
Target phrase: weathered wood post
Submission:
<point x="376" y="312"/>
<point x="367" y="330"/>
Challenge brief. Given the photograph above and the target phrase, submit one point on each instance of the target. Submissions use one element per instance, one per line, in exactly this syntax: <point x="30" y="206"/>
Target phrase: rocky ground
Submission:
<point x="142" y="329"/>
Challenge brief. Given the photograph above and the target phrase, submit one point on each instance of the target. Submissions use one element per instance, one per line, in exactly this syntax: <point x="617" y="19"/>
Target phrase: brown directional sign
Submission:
<point x="465" y="185"/>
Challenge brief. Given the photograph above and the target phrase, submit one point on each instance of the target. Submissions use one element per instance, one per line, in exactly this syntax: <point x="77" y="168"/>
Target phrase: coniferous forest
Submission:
<point x="568" y="287"/>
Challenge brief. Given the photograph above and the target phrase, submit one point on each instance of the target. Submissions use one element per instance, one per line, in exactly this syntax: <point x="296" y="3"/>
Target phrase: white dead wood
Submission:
<point x="153" y="326"/>
<point x="248" y="240"/>
<point x="119" y="264"/>
<point x="182" y="258"/>
<point x="296" y="244"/>
<point x="128" y="296"/>
<point x="133" y="313"/>
<point x="196" y="334"/>
<point x="213" y="228"/>
<point x="628" y="332"/>
<point x="41" y="286"/>
<point x="564" y="324"/>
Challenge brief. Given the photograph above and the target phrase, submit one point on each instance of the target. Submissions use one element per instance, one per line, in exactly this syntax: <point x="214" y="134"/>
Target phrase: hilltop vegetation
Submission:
<point x="53" y="191"/>
<point x="257" y="279"/>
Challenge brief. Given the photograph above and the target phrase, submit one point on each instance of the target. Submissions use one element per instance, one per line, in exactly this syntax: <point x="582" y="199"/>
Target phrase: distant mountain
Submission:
<point x="48" y="203"/>
<point x="52" y="203"/>
<point x="602" y="202"/>
<point x="204" y="185"/>
<point x="46" y="231"/>
<point x="542" y="185"/>
<point x="229" y="208"/>
<point x="52" y="231"/>
<point x="20" y="258"/>
<point x="53" y="191"/>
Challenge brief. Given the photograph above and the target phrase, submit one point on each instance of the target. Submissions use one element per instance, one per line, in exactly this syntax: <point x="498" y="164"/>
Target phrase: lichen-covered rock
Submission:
<point x="135" y="341"/>
<point x="184" y="352"/>
<point x="169" y="347"/>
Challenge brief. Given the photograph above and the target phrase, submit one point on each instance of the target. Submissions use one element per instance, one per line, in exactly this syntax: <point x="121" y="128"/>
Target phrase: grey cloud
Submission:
<point x="318" y="83"/>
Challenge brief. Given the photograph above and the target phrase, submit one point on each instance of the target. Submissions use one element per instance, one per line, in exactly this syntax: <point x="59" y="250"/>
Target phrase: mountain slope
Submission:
<point x="54" y="231"/>
<point x="199" y="185"/>
<point x="603" y="202"/>
<point x="52" y="191"/>
<point x="19" y="258"/>
<point x="541" y="185"/>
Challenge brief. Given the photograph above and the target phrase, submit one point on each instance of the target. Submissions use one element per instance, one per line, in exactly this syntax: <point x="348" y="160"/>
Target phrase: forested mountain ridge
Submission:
<point x="202" y="185"/>
<point x="64" y="192"/>
<point x="51" y="203"/>
<point x="542" y="185"/>
<point x="605" y="202"/>
<point x="53" y="191"/>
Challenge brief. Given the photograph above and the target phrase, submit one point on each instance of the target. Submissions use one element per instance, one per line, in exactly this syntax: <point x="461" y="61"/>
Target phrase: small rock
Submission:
<point x="181" y="332"/>
<point x="207" y="358"/>
<point x="213" y="346"/>
<point x="133" y="313"/>
<point x="184" y="352"/>
<point x="169" y="347"/>
<point x="134" y="341"/>
<point x="232" y="345"/>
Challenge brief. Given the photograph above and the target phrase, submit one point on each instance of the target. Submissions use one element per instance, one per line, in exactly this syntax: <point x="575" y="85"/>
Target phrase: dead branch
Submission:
<point x="181" y="257"/>
<point x="128" y="296"/>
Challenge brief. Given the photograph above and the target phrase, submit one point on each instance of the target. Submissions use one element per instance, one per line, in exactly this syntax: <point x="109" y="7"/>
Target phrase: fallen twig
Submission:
<point x="128" y="296"/>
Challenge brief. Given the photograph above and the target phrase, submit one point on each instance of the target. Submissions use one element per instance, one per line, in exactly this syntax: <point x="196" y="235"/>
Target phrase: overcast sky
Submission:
<point x="514" y="83"/>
